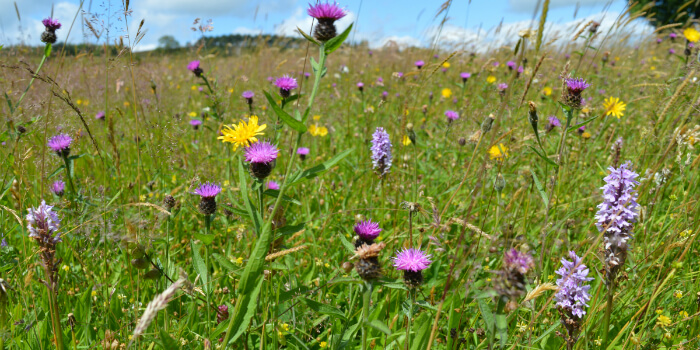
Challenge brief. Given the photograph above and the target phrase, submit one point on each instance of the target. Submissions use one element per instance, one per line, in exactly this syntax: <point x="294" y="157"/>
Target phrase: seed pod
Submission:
<point x="152" y="274"/>
<point x="138" y="252"/>
<point x="139" y="263"/>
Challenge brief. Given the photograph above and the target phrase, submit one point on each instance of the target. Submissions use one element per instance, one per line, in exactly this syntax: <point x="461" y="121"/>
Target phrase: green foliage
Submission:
<point x="663" y="12"/>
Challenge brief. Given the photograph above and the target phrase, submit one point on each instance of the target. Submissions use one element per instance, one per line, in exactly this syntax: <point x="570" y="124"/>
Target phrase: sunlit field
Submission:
<point x="319" y="194"/>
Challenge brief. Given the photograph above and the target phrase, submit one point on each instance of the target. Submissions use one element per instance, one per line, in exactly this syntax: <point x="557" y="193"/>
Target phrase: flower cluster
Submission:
<point x="43" y="224"/>
<point x="381" y="152"/>
<point x="573" y="292"/>
<point x="512" y="279"/>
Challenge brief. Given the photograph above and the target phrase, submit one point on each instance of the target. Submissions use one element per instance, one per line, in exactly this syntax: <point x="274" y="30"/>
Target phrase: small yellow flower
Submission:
<point x="79" y="102"/>
<point x="491" y="79"/>
<point x="243" y="134"/>
<point x="66" y="268"/>
<point x="127" y="104"/>
<point x="547" y="91"/>
<point x="683" y="314"/>
<point x="586" y="135"/>
<point x="94" y="293"/>
<point x="316" y="130"/>
<point x="691" y="34"/>
<point x="406" y="140"/>
<point x="323" y="344"/>
<point x="317" y="117"/>
<point x="230" y="90"/>
<point x="613" y="106"/>
<point x="663" y="321"/>
<point x="285" y="327"/>
<point x="174" y="179"/>
<point x="499" y="151"/>
<point x="678" y="294"/>
<point x="327" y="265"/>
<point x="446" y="93"/>
<point x="239" y="260"/>
<point x="446" y="64"/>
<point x="193" y="87"/>
<point x="585" y="110"/>
<point x="598" y="341"/>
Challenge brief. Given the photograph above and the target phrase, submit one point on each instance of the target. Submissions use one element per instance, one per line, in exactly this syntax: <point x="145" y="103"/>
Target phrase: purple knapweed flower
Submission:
<point x="195" y="68"/>
<point x="672" y="35"/>
<point x="360" y="86"/>
<point x="302" y="152"/>
<point x="286" y="84"/>
<point x="553" y="123"/>
<point x="248" y="94"/>
<point x="381" y="152"/>
<point x="61" y="144"/>
<point x="451" y="115"/>
<point x="496" y="63"/>
<point x="195" y="123"/>
<point x="261" y="156"/>
<point x="671" y="51"/>
<point x="326" y="14"/>
<point x="273" y="185"/>
<point x="572" y="93"/>
<point x="521" y="262"/>
<point x="419" y="64"/>
<point x="465" y="76"/>
<point x="58" y="187"/>
<point x="521" y="69"/>
<point x="510" y="64"/>
<point x="367" y="231"/>
<point x="502" y="87"/>
<point x="573" y="293"/>
<point x="399" y="75"/>
<point x="100" y="115"/>
<point x="581" y="130"/>
<point x="48" y="36"/>
<point x="659" y="40"/>
<point x="51" y="24"/>
<point x="384" y="95"/>
<point x="411" y="259"/>
<point x="208" y="192"/>
<point x="43" y="224"/>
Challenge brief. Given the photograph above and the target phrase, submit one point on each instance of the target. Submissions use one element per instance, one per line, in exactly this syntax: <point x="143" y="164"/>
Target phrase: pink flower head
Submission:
<point x="60" y="144"/>
<point x="273" y="185"/>
<point x="367" y="230"/>
<point x="286" y="83"/>
<point x="502" y="86"/>
<point x="452" y="115"/>
<point x="302" y="151"/>
<point x="419" y="64"/>
<point x="43" y="224"/>
<point x="51" y="24"/>
<point x="522" y="262"/>
<point x="261" y="152"/>
<point x="207" y="190"/>
<point x="192" y="66"/>
<point x="465" y="75"/>
<point x="100" y="116"/>
<point x="326" y="11"/>
<point x="412" y="259"/>
<point x="248" y="94"/>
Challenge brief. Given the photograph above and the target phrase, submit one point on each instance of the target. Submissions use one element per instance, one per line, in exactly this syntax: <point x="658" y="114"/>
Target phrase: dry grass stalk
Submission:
<point x="675" y="96"/>
<point x="282" y="253"/>
<point x="158" y="303"/>
<point x="539" y="290"/>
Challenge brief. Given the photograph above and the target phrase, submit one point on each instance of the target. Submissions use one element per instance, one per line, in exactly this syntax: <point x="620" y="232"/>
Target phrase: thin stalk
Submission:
<point x="366" y="298"/>
<point x="66" y="161"/>
<point x="207" y="224"/>
<point x="407" y="344"/>
<point x="608" y="311"/>
<point x="43" y="59"/>
<point x="261" y="189"/>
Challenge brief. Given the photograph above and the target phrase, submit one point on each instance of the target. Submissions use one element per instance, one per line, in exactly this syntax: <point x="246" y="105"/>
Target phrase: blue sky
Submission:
<point x="406" y="22"/>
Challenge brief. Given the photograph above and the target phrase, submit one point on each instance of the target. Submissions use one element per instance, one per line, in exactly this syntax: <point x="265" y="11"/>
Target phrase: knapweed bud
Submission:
<point x="411" y="134"/>
<point x="499" y="183"/>
<point x="532" y="116"/>
<point x="462" y="141"/>
<point x="487" y="123"/>
<point x="326" y="14"/>
<point x="139" y="263"/>
<point x="367" y="266"/>
<point x="571" y="94"/>
<point x="169" y="202"/>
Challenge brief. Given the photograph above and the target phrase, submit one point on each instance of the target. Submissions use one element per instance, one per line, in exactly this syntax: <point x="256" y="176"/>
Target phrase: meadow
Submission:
<point x="538" y="195"/>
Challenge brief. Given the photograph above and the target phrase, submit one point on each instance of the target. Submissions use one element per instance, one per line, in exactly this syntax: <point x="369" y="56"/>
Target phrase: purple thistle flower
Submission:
<point x="659" y="40"/>
<point x="326" y="11"/>
<point x="43" y="224"/>
<point x="273" y="185"/>
<point x="411" y="259"/>
<point x="515" y="260"/>
<point x="61" y="144"/>
<point x="399" y="75"/>
<point x="573" y="293"/>
<point x="510" y="65"/>
<point x="381" y="152"/>
<point x="207" y="190"/>
<point x="195" y="123"/>
<point x="671" y="51"/>
<point x="419" y="64"/>
<point x="100" y="115"/>
<point x="51" y="24"/>
<point x="58" y="187"/>
<point x="618" y="212"/>
<point x="195" y="68"/>
<point x="360" y="86"/>
<point x="248" y="94"/>
<point x="581" y="130"/>
<point x="672" y="35"/>
<point x="451" y="115"/>
<point x="384" y="95"/>
<point x="286" y="84"/>
<point x="303" y="151"/>
<point x="367" y="231"/>
<point x="553" y="122"/>
<point x="521" y="69"/>
<point x="261" y="152"/>
<point x="502" y="87"/>
<point x="496" y="64"/>
<point x="574" y="88"/>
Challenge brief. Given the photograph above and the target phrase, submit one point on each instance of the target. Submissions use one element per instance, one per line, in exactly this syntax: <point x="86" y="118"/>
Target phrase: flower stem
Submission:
<point x="366" y="297"/>
<point x="207" y="225"/>
<point x="608" y="311"/>
<point x="71" y="188"/>
<point x="43" y="59"/>
<point x="409" y="320"/>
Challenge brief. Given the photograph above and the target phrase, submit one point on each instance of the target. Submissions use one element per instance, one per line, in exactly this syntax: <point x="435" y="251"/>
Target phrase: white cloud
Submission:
<point x="215" y="8"/>
<point x="529" y="5"/>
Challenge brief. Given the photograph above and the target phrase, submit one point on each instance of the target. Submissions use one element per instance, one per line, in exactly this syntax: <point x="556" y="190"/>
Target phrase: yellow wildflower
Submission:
<point x="663" y="321"/>
<point x="323" y="344"/>
<point x="446" y="93"/>
<point x="491" y="79"/>
<point x="586" y="135"/>
<point x="683" y="314"/>
<point x="193" y="87"/>
<point x="547" y="91"/>
<point x="678" y="294"/>
<point x="192" y="114"/>
<point x="66" y="268"/>
<point x="499" y="151"/>
<point x="613" y="106"/>
<point x="242" y="134"/>
<point x="285" y="327"/>
<point x="691" y="34"/>
<point x="316" y="130"/>
<point x="446" y="64"/>
<point x="406" y="140"/>
<point x="317" y="117"/>
<point x="239" y="260"/>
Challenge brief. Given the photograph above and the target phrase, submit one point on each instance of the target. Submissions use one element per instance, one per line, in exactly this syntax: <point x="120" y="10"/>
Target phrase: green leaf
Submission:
<point x="308" y="37"/>
<point x="486" y="314"/>
<point x="166" y="341"/>
<point x="349" y="246"/>
<point x="582" y="123"/>
<point x="286" y="118"/>
<point x="380" y="326"/>
<point x="245" y="304"/>
<point x="540" y="188"/>
<point x="323" y="308"/>
<point x="206" y="239"/>
<point x="200" y="266"/>
<point x="348" y="335"/>
<point x="543" y="157"/>
<point x="453" y="319"/>
<point x="276" y="193"/>
<point x="289" y="230"/>
<point x="253" y="214"/>
<point x="423" y="334"/>
<point x="224" y="262"/>
<point x="9" y="104"/>
<point x="334" y="44"/>
<point x="318" y="169"/>
<point x="502" y="328"/>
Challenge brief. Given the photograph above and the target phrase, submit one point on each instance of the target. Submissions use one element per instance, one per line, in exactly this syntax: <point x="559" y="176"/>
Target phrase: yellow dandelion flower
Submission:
<point x="323" y="344"/>
<point x="547" y="91"/>
<point x="691" y="34"/>
<point x="406" y="140"/>
<point x="586" y="135"/>
<point x="446" y="93"/>
<point x="317" y="117"/>
<point x="663" y="321"/>
<point x="192" y="114"/>
<point x="446" y="64"/>
<point x="79" y="102"/>
<point x="242" y="134"/>
<point x="499" y="151"/>
<point x="613" y="106"/>
<point x="491" y="79"/>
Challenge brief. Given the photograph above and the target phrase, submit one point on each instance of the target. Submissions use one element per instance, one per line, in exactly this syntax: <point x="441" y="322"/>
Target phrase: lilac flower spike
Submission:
<point x="61" y="144"/>
<point x="43" y="224"/>
<point x="573" y="293"/>
<point x="367" y="231"/>
<point x="412" y="259"/>
<point x="286" y="84"/>
<point x="381" y="152"/>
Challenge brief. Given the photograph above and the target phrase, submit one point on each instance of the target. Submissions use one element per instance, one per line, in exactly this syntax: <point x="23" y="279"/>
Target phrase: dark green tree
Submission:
<point x="168" y="42"/>
<point x="663" y="12"/>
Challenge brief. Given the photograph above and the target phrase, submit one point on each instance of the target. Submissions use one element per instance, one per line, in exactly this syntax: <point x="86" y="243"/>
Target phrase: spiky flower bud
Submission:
<point x="487" y="123"/>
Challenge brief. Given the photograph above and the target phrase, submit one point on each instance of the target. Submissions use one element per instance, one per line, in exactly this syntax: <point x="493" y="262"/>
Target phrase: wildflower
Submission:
<point x="671" y="51"/>
<point x="367" y="232"/>
<point x="672" y="36"/>
<point x="261" y="157"/>
<point x="663" y="321"/>
<point x="613" y="106"/>
<point x="412" y="262"/>
<point x="419" y="64"/>
<point x="381" y="152"/>
<point x="50" y="27"/>
<point x="360" y="86"/>
<point x="573" y="291"/>
<point x="678" y="294"/>
<point x="195" y="123"/>
<point x="58" y="187"/>
<point x="323" y="344"/>
<point x="616" y="215"/>
<point x="511" y="65"/>
<point x="683" y="314"/>
<point x="244" y="134"/>
<point x="465" y="76"/>
<point x="446" y="65"/>
<point x="547" y="91"/>
<point x="491" y="79"/>
<point x="207" y="192"/>
<point x="502" y="88"/>
<point x="302" y="152"/>
<point x="315" y="130"/>
<point x="512" y="280"/>
<point x="498" y="152"/>
<point x="446" y="93"/>
<point x="495" y="64"/>
<point x="61" y="144"/>
<point x="581" y="130"/>
<point x="286" y="84"/>
<point x="194" y="68"/>
<point x="222" y="314"/>
<point x="451" y="116"/>
<point x="571" y="96"/>
<point x="273" y="185"/>
<point x="248" y="95"/>
<point x="405" y="140"/>
<point x="367" y="266"/>
<point x="326" y="14"/>
<point x="553" y="123"/>
<point x="100" y="115"/>
<point x="691" y="34"/>
<point x="43" y="224"/>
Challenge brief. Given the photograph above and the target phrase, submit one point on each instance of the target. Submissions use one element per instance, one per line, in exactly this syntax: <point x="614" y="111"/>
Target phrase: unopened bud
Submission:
<point x="487" y="123"/>
<point x="532" y="116"/>
<point x="499" y="183"/>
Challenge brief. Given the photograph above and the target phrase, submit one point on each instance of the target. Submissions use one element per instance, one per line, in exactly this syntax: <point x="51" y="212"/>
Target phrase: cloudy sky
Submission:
<point x="406" y="22"/>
